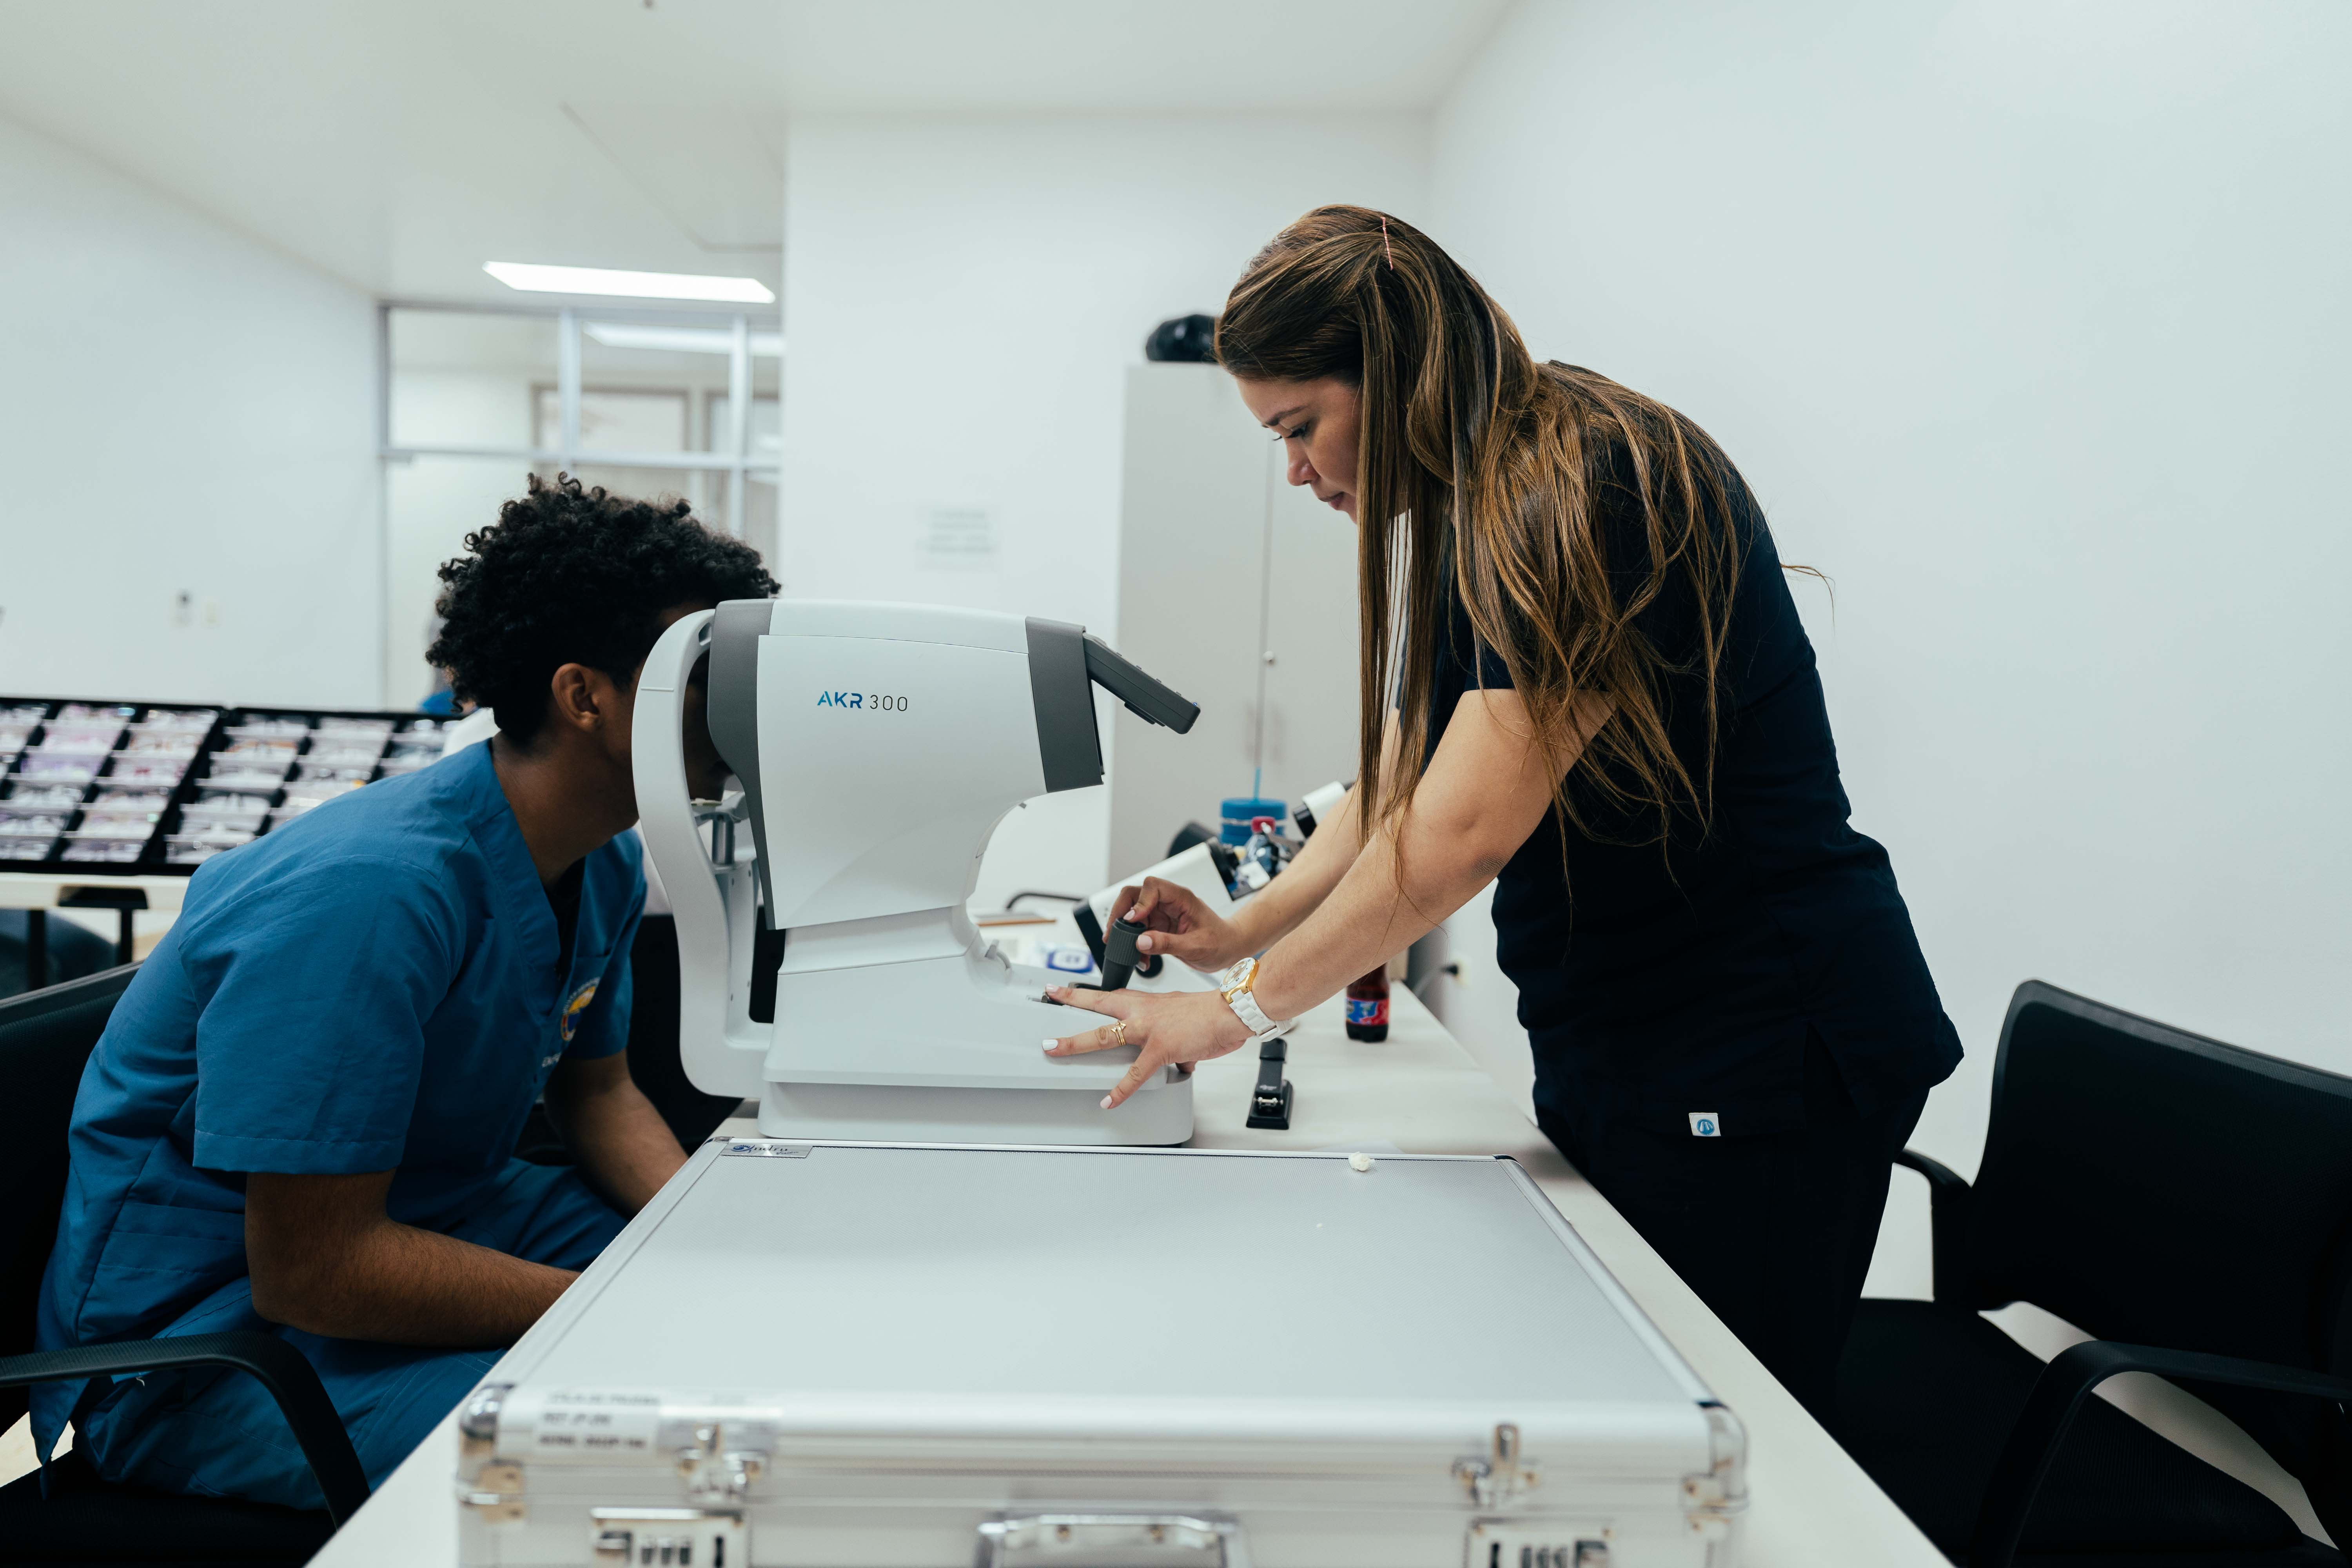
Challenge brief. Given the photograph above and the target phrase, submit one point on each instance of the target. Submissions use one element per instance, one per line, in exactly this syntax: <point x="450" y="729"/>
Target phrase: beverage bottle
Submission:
<point x="1367" y="1006"/>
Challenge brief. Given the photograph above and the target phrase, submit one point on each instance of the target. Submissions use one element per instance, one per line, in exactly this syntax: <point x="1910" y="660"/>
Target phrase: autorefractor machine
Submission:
<point x="826" y="966"/>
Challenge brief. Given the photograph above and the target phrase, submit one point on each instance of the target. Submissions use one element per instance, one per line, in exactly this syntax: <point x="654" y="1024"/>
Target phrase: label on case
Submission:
<point x="598" y="1422"/>
<point x="1368" y="1009"/>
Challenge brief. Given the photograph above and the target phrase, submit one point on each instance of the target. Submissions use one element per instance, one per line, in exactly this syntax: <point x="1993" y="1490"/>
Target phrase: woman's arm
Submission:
<point x="1280" y="906"/>
<point x="1485" y="791"/>
<point x="1183" y="925"/>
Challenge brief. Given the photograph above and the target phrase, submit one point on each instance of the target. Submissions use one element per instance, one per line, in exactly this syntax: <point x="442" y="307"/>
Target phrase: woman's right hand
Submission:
<point x="1179" y="922"/>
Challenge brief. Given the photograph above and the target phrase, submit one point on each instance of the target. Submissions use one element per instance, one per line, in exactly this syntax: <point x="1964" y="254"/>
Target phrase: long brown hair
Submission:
<point x="1475" y="463"/>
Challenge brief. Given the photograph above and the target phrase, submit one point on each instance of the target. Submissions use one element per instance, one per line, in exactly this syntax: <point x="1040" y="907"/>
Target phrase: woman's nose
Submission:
<point x="1302" y="472"/>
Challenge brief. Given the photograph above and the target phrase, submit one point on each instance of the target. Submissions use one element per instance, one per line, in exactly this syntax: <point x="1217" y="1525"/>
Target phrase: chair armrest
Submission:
<point x="1947" y="1218"/>
<point x="2058" y="1393"/>
<point x="290" y="1379"/>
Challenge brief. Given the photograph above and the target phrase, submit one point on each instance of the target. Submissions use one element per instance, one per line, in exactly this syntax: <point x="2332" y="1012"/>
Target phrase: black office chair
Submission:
<point x="44" y="1038"/>
<point x="2186" y="1200"/>
<point x="66" y="952"/>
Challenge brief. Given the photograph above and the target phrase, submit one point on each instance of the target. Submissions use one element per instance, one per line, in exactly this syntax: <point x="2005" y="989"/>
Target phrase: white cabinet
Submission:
<point x="1240" y="592"/>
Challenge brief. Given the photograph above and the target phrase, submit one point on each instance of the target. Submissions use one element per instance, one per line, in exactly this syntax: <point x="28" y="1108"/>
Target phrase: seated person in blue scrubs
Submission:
<point x="303" y="1116"/>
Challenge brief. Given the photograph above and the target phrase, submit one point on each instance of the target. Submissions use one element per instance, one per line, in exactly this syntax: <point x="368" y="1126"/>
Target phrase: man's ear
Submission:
<point x="577" y="696"/>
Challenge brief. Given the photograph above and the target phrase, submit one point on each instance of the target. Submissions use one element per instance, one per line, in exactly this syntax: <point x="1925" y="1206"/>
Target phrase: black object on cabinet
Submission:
<point x="1183" y="339"/>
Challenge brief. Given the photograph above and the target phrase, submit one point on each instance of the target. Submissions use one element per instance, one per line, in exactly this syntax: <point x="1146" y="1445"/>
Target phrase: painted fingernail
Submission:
<point x="1106" y="1104"/>
<point x="1143" y="942"/>
<point x="1051" y="1044"/>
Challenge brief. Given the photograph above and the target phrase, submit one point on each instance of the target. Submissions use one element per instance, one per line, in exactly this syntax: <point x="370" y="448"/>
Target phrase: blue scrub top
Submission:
<point x="375" y="986"/>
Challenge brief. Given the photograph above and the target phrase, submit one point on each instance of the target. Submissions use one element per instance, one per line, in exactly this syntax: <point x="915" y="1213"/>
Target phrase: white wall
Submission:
<point x="432" y="503"/>
<point x="2026" y="322"/>
<point x="181" y="409"/>
<point x="960" y="299"/>
<point x="467" y="378"/>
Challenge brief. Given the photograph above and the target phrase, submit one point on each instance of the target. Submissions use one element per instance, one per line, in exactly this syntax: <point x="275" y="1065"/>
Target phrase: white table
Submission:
<point x="1420" y="1091"/>
<point x="47" y="888"/>
<point x="54" y="887"/>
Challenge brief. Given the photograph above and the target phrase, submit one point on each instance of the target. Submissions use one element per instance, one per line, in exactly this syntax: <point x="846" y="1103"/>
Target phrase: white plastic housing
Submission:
<point x="891" y="740"/>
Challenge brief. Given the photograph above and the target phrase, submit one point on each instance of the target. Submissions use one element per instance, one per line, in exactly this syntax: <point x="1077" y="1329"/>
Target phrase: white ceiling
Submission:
<point x="399" y="143"/>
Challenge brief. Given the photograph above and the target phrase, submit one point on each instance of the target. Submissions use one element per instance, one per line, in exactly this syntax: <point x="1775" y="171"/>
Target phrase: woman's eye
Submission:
<point x="1290" y="434"/>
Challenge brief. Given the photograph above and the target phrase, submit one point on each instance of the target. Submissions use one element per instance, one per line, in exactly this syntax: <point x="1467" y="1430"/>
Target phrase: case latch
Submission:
<point x="1713" y="1500"/>
<point x="715" y="1474"/>
<point x="496" y="1493"/>
<point x="1043" y="1540"/>
<point x="1495" y="1481"/>
<point x="494" y="1488"/>
<point x="477" y="1424"/>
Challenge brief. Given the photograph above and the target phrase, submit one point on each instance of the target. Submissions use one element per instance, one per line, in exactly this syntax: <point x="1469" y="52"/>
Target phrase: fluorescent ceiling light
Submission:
<point x="541" y="280"/>
<point x="681" y="340"/>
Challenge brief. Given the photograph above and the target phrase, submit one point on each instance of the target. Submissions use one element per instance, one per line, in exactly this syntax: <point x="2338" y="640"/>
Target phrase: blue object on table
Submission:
<point x="1240" y="811"/>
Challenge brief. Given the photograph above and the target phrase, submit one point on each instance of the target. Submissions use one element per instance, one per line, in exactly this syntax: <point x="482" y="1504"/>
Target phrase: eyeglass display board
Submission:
<point x="137" y="788"/>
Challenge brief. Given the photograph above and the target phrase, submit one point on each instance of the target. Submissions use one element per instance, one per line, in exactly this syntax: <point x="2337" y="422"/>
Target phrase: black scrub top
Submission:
<point x="1668" y="982"/>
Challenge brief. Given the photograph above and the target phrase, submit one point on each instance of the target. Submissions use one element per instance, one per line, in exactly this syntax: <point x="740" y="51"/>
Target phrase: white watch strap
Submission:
<point x="1245" y="1008"/>
<point x="1252" y="1015"/>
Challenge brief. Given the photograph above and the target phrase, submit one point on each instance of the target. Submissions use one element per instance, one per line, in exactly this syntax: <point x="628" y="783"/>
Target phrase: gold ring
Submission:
<point x="1118" y="1027"/>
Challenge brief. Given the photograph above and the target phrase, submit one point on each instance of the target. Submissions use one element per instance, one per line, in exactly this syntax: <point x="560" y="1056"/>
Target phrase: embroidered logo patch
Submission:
<point x="574" y="1009"/>
<point x="1704" y="1123"/>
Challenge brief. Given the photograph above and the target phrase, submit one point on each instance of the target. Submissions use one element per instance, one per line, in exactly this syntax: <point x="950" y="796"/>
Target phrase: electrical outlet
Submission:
<point x="1535" y="1543"/>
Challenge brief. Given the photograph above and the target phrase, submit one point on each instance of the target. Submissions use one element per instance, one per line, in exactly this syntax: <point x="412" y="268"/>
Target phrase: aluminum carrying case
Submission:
<point x="924" y="1356"/>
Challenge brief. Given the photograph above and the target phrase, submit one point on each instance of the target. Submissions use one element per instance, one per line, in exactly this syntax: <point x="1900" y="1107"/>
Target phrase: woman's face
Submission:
<point x="1316" y="423"/>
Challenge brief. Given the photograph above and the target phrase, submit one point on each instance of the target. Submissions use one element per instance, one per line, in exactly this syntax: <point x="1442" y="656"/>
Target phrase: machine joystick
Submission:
<point x="1119" y="959"/>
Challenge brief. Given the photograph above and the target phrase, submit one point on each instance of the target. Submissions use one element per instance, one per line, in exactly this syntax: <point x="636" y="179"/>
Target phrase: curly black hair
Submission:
<point x="569" y="575"/>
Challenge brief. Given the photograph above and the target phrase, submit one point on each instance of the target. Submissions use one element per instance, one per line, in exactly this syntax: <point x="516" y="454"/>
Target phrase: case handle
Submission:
<point x="1038" y="1539"/>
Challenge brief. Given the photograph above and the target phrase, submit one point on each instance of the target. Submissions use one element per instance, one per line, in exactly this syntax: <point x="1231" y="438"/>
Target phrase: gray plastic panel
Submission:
<point x="1146" y="695"/>
<point x="1065" y="699"/>
<point x="734" y="709"/>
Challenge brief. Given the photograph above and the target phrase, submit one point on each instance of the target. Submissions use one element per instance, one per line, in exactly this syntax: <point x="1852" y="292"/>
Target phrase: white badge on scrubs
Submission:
<point x="1706" y="1124"/>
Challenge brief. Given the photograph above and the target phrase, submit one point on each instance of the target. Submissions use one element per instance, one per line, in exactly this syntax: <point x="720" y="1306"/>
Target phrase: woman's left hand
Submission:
<point x="1173" y="1029"/>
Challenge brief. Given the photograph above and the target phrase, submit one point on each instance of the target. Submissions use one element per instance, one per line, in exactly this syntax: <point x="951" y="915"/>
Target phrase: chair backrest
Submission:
<point x="2156" y="1187"/>
<point x="45" y="1036"/>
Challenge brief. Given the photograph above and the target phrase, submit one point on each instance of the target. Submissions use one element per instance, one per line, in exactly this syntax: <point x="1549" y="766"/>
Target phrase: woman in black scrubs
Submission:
<point x="1583" y="677"/>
